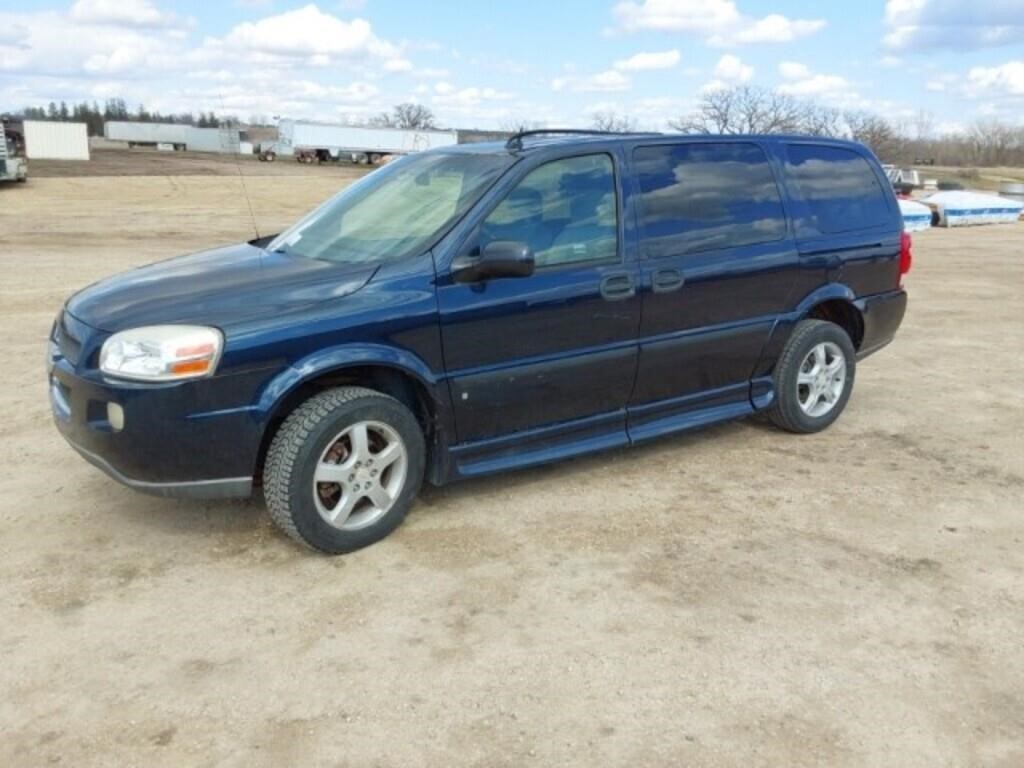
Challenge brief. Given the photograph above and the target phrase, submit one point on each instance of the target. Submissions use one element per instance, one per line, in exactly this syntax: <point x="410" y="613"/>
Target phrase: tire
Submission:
<point x="803" y="407"/>
<point x="321" y="438"/>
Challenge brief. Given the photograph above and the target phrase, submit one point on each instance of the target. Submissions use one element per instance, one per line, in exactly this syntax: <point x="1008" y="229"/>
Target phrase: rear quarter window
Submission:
<point x="839" y="188"/>
<point x="706" y="196"/>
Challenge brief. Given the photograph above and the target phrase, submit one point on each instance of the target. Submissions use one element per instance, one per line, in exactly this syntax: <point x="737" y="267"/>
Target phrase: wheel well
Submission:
<point x="843" y="314"/>
<point x="389" y="381"/>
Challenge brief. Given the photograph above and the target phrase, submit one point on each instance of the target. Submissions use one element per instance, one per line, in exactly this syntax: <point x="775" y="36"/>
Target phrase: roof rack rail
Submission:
<point x="515" y="141"/>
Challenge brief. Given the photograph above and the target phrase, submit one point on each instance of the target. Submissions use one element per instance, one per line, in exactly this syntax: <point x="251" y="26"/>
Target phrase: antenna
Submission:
<point x="238" y="166"/>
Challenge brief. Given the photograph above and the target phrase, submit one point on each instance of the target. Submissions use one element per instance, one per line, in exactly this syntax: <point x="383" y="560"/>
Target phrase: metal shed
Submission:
<point x="51" y="140"/>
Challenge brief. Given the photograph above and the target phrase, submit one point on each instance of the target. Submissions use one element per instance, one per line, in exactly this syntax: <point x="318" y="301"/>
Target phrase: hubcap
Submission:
<point x="821" y="379"/>
<point x="359" y="475"/>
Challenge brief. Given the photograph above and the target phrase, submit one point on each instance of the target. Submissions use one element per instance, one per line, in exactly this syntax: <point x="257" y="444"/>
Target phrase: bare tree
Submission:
<point x="406" y="115"/>
<point x="745" y="109"/>
<point x="409" y="115"/>
<point x="878" y="134"/>
<point x="817" y="120"/>
<point x="750" y="109"/>
<point x="382" y="120"/>
<point x="924" y="122"/>
<point x="995" y="143"/>
<point x="612" y="122"/>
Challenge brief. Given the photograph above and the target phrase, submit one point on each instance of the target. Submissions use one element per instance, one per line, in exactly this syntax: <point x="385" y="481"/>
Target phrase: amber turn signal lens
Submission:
<point x="190" y="366"/>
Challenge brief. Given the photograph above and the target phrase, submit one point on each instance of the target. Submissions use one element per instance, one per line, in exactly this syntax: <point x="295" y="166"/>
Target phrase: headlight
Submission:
<point x="162" y="353"/>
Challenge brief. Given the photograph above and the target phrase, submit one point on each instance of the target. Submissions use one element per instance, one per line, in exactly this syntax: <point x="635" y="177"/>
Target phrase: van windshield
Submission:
<point x="395" y="212"/>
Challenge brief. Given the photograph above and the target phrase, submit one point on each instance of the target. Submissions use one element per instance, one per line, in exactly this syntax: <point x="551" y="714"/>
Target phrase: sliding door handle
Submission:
<point x="666" y="280"/>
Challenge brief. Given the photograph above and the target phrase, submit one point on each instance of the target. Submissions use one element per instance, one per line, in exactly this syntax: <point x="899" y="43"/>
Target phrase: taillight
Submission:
<point x="906" y="258"/>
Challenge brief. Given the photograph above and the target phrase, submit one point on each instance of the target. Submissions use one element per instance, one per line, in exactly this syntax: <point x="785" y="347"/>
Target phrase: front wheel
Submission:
<point x="814" y="377"/>
<point x="343" y="469"/>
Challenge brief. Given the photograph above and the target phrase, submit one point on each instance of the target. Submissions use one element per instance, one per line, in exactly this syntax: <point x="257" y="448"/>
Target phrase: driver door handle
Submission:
<point x="618" y="287"/>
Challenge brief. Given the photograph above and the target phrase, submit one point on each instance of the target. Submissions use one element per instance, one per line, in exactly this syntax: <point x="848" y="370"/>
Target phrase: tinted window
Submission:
<point x="839" y="186"/>
<point x="564" y="210"/>
<point x="700" y="197"/>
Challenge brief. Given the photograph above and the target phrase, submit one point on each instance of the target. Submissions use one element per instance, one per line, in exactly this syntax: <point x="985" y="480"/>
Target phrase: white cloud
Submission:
<point x="677" y="15"/>
<point x="955" y="24"/>
<point x="304" y="32"/>
<point x="648" y="60"/>
<point x="720" y="22"/>
<point x="140" y="14"/>
<point x="801" y="82"/>
<point x="13" y="35"/>
<point x="816" y="85"/>
<point x="941" y="83"/>
<point x="430" y="73"/>
<point x="1007" y="78"/>
<point x="732" y="69"/>
<point x="770" y="29"/>
<point x="793" y="70"/>
<point x="54" y="44"/>
<point x="95" y="50"/>
<point x="609" y="80"/>
<point x="447" y="95"/>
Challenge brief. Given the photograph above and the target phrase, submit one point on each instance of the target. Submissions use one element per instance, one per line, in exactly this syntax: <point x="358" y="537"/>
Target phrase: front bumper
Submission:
<point x="223" y="488"/>
<point x="188" y="439"/>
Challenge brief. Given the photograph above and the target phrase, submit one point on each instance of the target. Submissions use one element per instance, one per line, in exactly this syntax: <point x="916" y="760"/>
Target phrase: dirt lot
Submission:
<point x="737" y="596"/>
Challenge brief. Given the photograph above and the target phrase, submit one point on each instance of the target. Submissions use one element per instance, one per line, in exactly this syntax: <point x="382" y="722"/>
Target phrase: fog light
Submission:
<point x="115" y="415"/>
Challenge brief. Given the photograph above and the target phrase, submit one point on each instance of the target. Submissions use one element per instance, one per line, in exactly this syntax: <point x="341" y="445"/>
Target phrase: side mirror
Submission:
<point x="500" y="258"/>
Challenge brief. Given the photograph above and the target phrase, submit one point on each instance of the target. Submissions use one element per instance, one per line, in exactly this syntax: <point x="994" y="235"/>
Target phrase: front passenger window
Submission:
<point x="564" y="210"/>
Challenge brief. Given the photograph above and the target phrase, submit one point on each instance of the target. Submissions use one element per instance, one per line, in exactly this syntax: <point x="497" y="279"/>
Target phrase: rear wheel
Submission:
<point x="343" y="469"/>
<point x="814" y="377"/>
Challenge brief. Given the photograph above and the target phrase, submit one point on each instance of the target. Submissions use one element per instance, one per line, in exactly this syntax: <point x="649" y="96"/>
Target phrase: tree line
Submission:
<point x="94" y="116"/>
<point x="750" y="109"/>
<point x="406" y="115"/>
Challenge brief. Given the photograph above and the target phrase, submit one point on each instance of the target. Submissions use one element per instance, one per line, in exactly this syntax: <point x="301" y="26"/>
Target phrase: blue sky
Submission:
<point x="491" y="65"/>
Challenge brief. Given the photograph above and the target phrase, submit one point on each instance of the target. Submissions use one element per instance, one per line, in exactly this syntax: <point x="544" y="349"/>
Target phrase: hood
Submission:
<point x="218" y="287"/>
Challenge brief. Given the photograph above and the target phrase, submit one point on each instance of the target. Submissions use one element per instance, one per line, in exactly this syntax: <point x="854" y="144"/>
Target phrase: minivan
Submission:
<point x="487" y="307"/>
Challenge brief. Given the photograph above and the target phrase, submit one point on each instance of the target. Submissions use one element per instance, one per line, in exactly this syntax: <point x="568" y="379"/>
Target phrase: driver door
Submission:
<point x="556" y="349"/>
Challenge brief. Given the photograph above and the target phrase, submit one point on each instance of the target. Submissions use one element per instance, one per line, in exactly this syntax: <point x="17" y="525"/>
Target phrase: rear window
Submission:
<point x="702" y="197"/>
<point x="840" y="189"/>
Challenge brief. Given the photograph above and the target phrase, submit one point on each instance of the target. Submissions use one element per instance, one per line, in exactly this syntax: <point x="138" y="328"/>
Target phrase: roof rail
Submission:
<point x="515" y="141"/>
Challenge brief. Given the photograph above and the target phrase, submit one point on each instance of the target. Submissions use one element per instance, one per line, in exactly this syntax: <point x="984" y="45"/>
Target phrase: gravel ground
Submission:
<point x="736" y="596"/>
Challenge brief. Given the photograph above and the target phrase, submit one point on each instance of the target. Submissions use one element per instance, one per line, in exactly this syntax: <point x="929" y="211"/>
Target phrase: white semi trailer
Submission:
<point x="177" y="135"/>
<point x="13" y="163"/>
<point x="322" y="142"/>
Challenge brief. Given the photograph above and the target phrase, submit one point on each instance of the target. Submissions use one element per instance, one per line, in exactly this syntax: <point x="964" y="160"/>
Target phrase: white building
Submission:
<point x="51" y="140"/>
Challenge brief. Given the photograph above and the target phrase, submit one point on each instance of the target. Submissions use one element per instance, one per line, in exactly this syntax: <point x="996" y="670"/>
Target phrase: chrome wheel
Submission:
<point x="820" y="381"/>
<point x="360" y="475"/>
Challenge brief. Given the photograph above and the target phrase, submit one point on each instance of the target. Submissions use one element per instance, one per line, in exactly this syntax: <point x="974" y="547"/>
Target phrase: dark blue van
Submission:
<point x="486" y="307"/>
